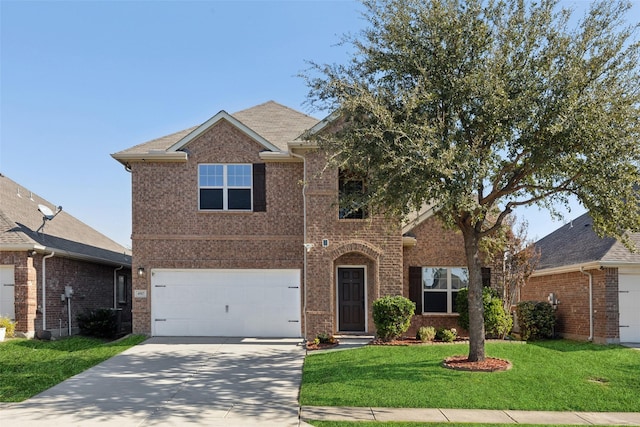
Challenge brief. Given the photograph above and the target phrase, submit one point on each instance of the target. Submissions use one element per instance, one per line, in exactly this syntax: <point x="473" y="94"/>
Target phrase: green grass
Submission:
<point x="549" y="375"/>
<point x="28" y="367"/>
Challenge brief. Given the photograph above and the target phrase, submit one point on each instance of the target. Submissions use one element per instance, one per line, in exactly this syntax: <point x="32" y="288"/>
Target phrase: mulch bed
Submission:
<point x="459" y="363"/>
<point x="414" y="341"/>
<point x="489" y="364"/>
<point x="322" y="346"/>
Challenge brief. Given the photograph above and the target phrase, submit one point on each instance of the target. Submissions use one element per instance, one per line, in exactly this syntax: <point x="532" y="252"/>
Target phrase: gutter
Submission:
<point x="593" y="265"/>
<point x="72" y="255"/>
<point x="304" y="231"/>
<point x="153" y="155"/>
<point x="586" y="273"/>
<point x="44" y="290"/>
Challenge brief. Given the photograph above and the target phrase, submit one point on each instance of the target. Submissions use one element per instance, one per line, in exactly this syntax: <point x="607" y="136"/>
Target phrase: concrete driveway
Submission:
<point x="176" y="382"/>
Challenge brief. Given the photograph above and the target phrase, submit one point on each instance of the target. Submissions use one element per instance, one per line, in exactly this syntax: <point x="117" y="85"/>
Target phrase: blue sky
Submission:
<point x="80" y="80"/>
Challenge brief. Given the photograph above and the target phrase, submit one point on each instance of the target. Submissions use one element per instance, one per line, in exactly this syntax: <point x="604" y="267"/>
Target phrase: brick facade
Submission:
<point x="169" y="231"/>
<point x="435" y="247"/>
<point x="572" y="290"/>
<point x="373" y="242"/>
<point x="93" y="286"/>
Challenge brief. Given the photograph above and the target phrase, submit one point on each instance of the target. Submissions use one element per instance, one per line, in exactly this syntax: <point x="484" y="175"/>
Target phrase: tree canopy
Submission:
<point x="481" y="106"/>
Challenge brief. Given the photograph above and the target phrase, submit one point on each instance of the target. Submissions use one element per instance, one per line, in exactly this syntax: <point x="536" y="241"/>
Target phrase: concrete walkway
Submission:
<point x="330" y="413"/>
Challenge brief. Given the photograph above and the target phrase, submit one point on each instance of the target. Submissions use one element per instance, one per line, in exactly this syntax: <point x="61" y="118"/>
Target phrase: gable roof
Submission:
<point x="64" y="234"/>
<point x="577" y="244"/>
<point x="270" y="124"/>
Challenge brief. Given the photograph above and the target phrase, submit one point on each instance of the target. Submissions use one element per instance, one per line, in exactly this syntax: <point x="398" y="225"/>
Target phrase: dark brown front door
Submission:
<point x="351" y="299"/>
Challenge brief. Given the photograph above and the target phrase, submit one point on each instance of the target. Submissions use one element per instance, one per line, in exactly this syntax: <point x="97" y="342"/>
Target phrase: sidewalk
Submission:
<point x="329" y="413"/>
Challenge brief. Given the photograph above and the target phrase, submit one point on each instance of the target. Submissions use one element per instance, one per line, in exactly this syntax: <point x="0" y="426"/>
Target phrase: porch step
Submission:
<point x="352" y="341"/>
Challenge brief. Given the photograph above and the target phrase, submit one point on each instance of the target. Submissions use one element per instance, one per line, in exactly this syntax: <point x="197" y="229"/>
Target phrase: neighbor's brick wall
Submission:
<point x="25" y="290"/>
<point x="435" y="247"/>
<point x="92" y="285"/>
<point x="572" y="289"/>
<point x="170" y="232"/>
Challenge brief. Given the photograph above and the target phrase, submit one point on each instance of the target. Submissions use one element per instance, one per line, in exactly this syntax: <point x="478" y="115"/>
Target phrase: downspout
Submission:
<point x="586" y="273"/>
<point x="44" y="290"/>
<point x="304" y="231"/>
<point x="115" y="287"/>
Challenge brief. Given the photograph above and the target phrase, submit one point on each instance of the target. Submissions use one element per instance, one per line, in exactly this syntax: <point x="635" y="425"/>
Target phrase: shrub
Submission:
<point x="10" y="326"/>
<point x="446" y="335"/>
<point x="100" y="323"/>
<point x="497" y="322"/>
<point x="536" y="319"/>
<point x="426" y="333"/>
<point x="392" y="316"/>
<point x="324" y="338"/>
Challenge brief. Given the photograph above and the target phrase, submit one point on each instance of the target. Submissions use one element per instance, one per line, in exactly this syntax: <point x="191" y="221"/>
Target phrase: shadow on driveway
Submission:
<point x="177" y="381"/>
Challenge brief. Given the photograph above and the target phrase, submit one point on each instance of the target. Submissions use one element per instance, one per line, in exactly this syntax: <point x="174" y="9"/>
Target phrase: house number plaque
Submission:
<point x="140" y="293"/>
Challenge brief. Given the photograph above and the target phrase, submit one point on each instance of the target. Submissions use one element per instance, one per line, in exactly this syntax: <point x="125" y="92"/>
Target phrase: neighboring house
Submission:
<point x="43" y="260"/>
<point x="237" y="231"/>
<point x="595" y="283"/>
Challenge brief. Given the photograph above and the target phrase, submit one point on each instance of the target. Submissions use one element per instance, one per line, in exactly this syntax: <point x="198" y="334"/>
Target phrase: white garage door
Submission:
<point x="231" y="303"/>
<point x="629" y="302"/>
<point x="7" y="287"/>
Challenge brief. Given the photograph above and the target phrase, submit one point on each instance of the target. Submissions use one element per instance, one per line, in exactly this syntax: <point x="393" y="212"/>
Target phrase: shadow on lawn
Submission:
<point x="570" y="346"/>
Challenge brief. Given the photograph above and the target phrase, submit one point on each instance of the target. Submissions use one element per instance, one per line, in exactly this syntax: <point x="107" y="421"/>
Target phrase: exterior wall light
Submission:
<point x="141" y="272"/>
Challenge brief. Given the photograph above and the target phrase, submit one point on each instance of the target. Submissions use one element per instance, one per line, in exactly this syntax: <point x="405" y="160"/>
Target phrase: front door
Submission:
<point x="351" y="305"/>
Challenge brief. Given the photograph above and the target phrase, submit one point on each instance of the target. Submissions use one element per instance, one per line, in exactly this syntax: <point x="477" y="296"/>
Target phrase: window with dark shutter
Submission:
<point x="259" y="188"/>
<point x="415" y="287"/>
<point x="486" y="277"/>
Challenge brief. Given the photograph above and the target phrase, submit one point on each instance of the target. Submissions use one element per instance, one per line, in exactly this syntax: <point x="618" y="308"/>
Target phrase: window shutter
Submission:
<point x="486" y="277"/>
<point x="259" y="188"/>
<point x="415" y="287"/>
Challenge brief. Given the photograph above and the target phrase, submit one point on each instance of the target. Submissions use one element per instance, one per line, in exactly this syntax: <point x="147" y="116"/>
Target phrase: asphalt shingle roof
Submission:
<point x="274" y="122"/>
<point x="577" y="243"/>
<point x="65" y="234"/>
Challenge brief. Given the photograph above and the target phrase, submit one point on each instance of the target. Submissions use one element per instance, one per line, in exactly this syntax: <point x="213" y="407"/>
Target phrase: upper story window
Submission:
<point x="226" y="187"/>
<point x="351" y="188"/>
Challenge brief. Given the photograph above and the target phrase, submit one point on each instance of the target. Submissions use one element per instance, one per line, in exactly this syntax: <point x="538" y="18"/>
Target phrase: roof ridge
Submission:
<point x="271" y="101"/>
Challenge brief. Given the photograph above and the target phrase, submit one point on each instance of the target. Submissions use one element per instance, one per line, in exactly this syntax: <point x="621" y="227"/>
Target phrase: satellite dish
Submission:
<point x="46" y="212"/>
<point x="48" y="215"/>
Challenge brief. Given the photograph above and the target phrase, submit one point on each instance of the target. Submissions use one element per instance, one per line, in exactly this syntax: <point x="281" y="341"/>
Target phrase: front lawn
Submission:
<point x="549" y="375"/>
<point x="28" y="367"/>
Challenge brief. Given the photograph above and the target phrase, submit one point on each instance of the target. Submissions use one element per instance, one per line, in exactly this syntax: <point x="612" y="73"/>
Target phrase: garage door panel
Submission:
<point x="226" y="302"/>
<point x="629" y="307"/>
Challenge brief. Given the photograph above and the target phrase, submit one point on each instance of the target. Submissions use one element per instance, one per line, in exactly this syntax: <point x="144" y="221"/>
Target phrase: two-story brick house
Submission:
<point x="237" y="231"/>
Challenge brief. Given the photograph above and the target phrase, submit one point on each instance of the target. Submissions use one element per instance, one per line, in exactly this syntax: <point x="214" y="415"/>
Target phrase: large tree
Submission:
<point x="481" y="106"/>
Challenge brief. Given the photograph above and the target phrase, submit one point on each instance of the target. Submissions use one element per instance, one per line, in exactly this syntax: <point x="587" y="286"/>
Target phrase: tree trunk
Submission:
<point x="476" y="307"/>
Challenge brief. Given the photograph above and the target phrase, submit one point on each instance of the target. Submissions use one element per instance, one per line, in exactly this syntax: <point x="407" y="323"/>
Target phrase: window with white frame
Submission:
<point x="225" y="187"/>
<point x="440" y="287"/>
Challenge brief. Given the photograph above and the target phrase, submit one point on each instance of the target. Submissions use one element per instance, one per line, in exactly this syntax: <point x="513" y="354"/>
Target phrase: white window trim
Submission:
<point x="225" y="187"/>
<point x="449" y="290"/>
